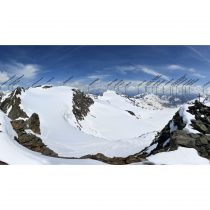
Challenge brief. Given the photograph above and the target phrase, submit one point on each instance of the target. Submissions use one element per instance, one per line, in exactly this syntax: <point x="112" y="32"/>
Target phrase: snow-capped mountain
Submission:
<point x="62" y="125"/>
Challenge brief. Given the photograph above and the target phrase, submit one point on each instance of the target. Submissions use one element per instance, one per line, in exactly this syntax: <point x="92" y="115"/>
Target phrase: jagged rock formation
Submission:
<point x="202" y="117"/>
<point x="25" y="127"/>
<point x="30" y="140"/>
<point x="33" y="123"/>
<point x="81" y="104"/>
<point x="12" y="105"/>
<point x="174" y="133"/>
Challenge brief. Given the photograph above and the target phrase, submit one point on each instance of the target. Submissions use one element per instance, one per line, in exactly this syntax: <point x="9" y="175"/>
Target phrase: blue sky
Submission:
<point x="106" y="62"/>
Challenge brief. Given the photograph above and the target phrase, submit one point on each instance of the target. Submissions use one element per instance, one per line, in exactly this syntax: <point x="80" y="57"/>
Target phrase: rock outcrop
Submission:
<point x="174" y="133"/>
<point x="118" y="160"/>
<point x="27" y="128"/>
<point x="81" y="104"/>
<point x="11" y="105"/>
<point x="33" y="123"/>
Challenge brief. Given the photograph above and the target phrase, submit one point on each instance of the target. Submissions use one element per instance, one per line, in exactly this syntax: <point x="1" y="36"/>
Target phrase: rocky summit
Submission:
<point x="175" y="134"/>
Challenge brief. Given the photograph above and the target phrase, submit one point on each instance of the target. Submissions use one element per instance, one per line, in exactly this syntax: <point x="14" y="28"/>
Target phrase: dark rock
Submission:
<point x="3" y="163"/>
<point x="47" y="86"/>
<point x="116" y="160"/>
<point x="203" y="140"/>
<point x="200" y="126"/>
<point x="130" y="112"/>
<point x="183" y="139"/>
<point x="34" y="123"/>
<point x="178" y="121"/>
<point x="30" y="140"/>
<point x="81" y="104"/>
<point x="13" y="102"/>
<point x="168" y="140"/>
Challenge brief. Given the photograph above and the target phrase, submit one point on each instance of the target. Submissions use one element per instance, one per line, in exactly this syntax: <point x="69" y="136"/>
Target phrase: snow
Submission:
<point x="12" y="152"/>
<point x="187" y="117"/>
<point x="108" y="128"/>
<point x="115" y="123"/>
<point x="181" y="156"/>
<point x="149" y="101"/>
<point x="150" y="148"/>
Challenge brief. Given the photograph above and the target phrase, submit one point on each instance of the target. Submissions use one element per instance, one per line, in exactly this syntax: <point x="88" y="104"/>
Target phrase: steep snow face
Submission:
<point x="181" y="156"/>
<point x="12" y="152"/>
<point x="114" y="126"/>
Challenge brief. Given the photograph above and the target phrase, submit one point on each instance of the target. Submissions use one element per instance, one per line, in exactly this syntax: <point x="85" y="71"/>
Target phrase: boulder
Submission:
<point x="34" y="123"/>
<point x="181" y="138"/>
<point x="200" y="126"/>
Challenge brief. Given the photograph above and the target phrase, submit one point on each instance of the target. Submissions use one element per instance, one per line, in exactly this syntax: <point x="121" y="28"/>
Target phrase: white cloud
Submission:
<point x="30" y="71"/>
<point x="202" y="56"/>
<point x="175" y="67"/>
<point x="191" y="71"/>
<point x="100" y="76"/>
<point x="3" y="76"/>
<point x="139" y="68"/>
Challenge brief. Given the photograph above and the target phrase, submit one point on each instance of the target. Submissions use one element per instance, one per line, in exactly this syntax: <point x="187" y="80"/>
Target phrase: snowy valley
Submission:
<point x="62" y="125"/>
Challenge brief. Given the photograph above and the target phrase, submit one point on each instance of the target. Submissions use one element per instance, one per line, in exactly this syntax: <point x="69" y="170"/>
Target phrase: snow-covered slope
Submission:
<point x="115" y="117"/>
<point x="111" y="124"/>
<point x="114" y="126"/>
<point x="181" y="156"/>
<point x="13" y="153"/>
<point x="150" y="101"/>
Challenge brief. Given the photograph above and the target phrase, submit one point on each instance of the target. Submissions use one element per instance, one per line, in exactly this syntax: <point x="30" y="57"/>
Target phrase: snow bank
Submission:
<point x="181" y="156"/>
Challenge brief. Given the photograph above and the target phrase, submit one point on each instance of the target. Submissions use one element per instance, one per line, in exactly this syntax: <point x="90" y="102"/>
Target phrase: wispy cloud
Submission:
<point x="197" y="52"/>
<point x="3" y="76"/>
<point x="191" y="71"/>
<point x="139" y="68"/>
<point x="30" y="71"/>
<point x="100" y="76"/>
<point x="195" y="73"/>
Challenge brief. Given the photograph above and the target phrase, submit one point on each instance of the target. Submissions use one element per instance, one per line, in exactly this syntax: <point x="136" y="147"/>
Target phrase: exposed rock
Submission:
<point x="34" y="123"/>
<point x="30" y="140"/>
<point x="12" y="104"/>
<point x="202" y="117"/>
<point x="169" y="139"/>
<point x="3" y="163"/>
<point x="181" y="138"/>
<point x="130" y="112"/>
<point x="117" y="160"/>
<point x="47" y="86"/>
<point x="200" y="126"/>
<point x="81" y="104"/>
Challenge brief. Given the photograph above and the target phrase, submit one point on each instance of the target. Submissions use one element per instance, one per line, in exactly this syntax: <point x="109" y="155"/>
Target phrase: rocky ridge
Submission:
<point x="81" y="104"/>
<point x="175" y="134"/>
<point x="27" y="128"/>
